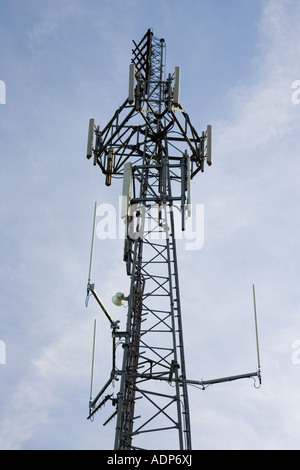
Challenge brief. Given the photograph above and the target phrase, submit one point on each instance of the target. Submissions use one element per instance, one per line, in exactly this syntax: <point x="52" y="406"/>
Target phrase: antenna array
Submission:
<point x="151" y="142"/>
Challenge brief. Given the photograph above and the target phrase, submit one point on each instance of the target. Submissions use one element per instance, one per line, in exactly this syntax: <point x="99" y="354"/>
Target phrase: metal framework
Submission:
<point x="151" y="142"/>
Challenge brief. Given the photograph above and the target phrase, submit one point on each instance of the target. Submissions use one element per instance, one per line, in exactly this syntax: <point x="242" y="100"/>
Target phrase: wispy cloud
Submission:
<point x="261" y="109"/>
<point x="259" y="120"/>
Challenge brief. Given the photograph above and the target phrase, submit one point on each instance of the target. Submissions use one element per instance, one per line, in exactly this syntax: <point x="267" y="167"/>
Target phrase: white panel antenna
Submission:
<point x="176" y="97"/>
<point x="89" y="150"/>
<point x="209" y="145"/>
<point x="131" y="83"/>
<point x="126" y="193"/>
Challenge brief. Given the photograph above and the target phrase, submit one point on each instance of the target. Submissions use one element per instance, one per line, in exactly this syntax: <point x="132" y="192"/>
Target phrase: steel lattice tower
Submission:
<point x="151" y="142"/>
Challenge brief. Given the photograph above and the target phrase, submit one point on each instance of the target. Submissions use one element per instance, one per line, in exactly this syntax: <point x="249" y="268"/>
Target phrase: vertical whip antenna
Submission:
<point x="92" y="244"/>
<point x="93" y="363"/>
<point x="256" y="335"/>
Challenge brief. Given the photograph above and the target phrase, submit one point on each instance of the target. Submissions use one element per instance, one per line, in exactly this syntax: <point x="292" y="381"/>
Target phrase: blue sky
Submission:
<point x="66" y="61"/>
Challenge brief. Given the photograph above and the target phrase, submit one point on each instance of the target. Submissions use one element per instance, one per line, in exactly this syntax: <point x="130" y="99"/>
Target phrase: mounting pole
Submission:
<point x="93" y="361"/>
<point x="92" y="244"/>
<point x="256" y="335"/>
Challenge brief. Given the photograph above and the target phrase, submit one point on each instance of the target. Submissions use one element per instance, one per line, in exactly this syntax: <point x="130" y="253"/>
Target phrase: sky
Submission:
<point x="65" y="61"/>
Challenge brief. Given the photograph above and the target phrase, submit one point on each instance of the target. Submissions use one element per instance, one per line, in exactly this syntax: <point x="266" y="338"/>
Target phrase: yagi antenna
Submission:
<point x="256" y="335"/>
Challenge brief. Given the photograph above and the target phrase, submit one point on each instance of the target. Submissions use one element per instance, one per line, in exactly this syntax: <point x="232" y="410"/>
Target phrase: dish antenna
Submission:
<point x="119" y="299"/>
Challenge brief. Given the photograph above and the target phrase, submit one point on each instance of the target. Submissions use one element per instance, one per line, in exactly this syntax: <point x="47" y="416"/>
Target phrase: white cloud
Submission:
<point x="251" y="217"/>
<point x="261" y="109"/>
<point x="250" y="231"/>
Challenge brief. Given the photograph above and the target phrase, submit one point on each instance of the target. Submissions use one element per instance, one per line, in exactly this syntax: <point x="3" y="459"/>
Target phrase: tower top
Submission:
<point x="144" y="53"/>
